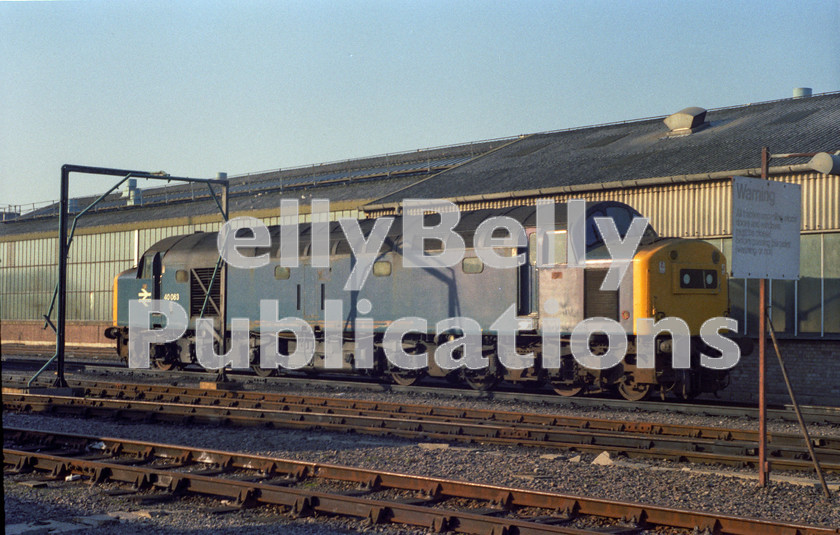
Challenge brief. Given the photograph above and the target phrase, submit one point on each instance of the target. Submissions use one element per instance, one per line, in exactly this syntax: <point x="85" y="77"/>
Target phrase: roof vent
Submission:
<point x="802" y="92"/>
<point x="135" y="197"/>
<point x="131" y="185"/>
<point x="686" y="121"/>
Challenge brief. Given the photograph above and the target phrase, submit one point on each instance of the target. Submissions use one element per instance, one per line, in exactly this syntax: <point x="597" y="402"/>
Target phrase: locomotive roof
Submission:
<point x="203" y="244"/>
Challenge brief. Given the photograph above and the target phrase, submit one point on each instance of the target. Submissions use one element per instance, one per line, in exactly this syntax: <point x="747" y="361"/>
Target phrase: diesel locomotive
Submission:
<point x="667" y="277"/>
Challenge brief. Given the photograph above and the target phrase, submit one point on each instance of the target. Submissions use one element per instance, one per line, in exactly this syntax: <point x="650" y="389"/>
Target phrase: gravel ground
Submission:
<point x="67" y="501"/>
<point x="654" y="482"/>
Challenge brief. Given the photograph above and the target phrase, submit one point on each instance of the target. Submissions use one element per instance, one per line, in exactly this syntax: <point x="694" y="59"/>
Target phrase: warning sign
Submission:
<point x="766" y="218"/>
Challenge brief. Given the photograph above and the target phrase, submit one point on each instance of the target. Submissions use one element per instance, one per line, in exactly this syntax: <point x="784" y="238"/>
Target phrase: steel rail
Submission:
<point x="355" y="407"/>
<point x="634" y="446"/>
<point x="811" y="414"/>
<point x="146" y="465"/>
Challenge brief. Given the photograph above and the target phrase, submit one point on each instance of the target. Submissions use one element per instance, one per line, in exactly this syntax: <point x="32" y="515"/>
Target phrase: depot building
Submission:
<point x="675" y="169"/>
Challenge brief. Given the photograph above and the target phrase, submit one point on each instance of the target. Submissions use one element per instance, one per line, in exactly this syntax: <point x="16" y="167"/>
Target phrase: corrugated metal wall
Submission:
<point x="696" y="210"/>
<point x="28" y="268"/>
<point x="700" y="209"/>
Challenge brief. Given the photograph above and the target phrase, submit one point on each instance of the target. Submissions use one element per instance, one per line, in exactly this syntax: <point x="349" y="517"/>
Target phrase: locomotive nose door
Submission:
<point x="143" y="286"/>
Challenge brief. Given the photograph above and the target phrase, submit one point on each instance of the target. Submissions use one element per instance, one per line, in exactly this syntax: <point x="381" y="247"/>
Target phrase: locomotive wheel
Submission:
<point x="566" y="390"/>
<point x="631" y="390"/>
<point x="406" y="378"/>
<point x="163" y="365"/>
<point x="481" y="380"/>
<point x="263" y="372"/>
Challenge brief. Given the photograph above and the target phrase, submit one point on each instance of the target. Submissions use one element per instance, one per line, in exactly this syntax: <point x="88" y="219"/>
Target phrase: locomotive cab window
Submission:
<point x="622" y="216"/>
<point x="541" y="243"/>
<point x="149" y="266"/>
<point x="697" y="280"/>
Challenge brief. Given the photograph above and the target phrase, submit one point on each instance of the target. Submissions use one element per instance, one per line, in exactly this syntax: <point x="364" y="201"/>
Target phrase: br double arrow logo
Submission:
<point x="144" y="294"/>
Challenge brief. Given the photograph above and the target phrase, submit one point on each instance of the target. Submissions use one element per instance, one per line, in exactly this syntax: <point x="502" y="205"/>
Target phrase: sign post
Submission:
<point x="766" y="218"/>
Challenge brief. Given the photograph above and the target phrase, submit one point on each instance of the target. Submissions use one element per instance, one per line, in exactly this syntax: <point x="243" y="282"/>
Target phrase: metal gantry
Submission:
<point x="64" y="243"/>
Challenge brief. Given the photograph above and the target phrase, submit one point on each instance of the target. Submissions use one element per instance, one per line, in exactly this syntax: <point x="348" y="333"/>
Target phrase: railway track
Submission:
<point x="811" y="414"/>
<point x="183" y="405"/>
<point x="306" y="488"/>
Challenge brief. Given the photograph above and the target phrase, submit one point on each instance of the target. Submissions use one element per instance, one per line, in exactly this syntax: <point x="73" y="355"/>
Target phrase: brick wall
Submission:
<point x="813" y="367"/>
<point x="32" y="333"/>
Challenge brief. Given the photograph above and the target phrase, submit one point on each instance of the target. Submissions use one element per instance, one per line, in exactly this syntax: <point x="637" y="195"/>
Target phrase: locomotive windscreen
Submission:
<point x="619" y="214"/>
<point x="698" y="278"/>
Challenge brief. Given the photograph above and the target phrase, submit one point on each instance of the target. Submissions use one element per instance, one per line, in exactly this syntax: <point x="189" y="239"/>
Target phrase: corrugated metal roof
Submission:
<point x="357" y="193"/>
<point x="643" y="149"/>
<point x="353" y="180"/>
<point x="577" y="157"/>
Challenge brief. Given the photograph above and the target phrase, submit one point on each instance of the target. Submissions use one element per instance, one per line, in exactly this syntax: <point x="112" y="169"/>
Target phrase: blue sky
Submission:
<point x="194" y="88"/>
